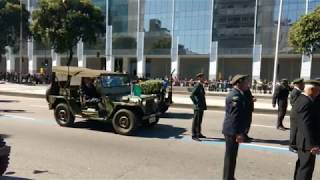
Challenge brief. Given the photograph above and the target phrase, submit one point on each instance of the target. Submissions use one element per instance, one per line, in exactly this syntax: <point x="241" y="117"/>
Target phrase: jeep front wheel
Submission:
<point x="63" y="115"/>
<point x="125" y="122"/>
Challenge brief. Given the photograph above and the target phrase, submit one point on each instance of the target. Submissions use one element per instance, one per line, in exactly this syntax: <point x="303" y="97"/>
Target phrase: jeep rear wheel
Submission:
<point x="63" y="115"/>
<point x="125" y="122"/>
<point x="4" y="160"/>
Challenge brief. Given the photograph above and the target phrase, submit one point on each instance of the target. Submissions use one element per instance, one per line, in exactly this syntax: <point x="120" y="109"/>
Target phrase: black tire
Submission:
<point x="4" y="160"/>
<point x="63" y="115"/>
<point x="4" y="163"/>
<point x="125" y="122"/>
<point x="164" y="109"/>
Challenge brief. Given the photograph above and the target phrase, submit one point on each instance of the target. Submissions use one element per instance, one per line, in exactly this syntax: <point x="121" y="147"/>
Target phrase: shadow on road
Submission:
<point x="4" y="136"/>
<point x="161" y="131"/>
<point x="171" y="115"/>
<point x="8" y="101"/>
<point x="13" y="178"/>
<point x="271" y="141"/>
<point x="12" y="110"/>
<point x="94" y="125"/>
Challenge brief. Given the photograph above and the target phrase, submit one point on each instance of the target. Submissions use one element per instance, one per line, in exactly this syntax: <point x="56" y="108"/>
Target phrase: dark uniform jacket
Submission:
<point x="198" y="97"/>
<point x="236" y="117"/>
<point x="281" y="93"/>
<point x="305" y="112"/>
<point x="295" y="93"/>
<point x="317" y="106"/>
<point x="249" y="98"/>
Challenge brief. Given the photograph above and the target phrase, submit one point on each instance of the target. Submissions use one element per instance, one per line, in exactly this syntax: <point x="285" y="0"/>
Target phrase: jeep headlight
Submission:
<point x="144" y="103"/>
<point x="156" y="100"/>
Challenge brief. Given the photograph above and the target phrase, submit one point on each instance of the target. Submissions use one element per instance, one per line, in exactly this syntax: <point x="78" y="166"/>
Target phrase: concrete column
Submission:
<point x="56" y="59"/>
<point x="110" y="63"/>
<point x="109" y="58"/>
<point x="10" y="60"/>
<point x="32" y="60"/>
<point x="81" y="58"/>
<point x="175" y="60"/>
<point x="306" y="66"/>
<point x="256" y="64"/>
<point x="82" y="62"/>
<point x="213" y="60"/>
<point x="126" y="64"/>
<point x="141" y="60"/>
<point x="306" y="60"/>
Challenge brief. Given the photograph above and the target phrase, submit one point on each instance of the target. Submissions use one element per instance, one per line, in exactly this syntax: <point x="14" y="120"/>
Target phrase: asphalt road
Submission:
<point x="43" y="150"/>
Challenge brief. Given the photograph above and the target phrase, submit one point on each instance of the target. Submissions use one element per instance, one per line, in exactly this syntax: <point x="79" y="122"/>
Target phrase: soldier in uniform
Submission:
<point x="199" y="101"/>
<point x="235" y="124"/>
<point x="307" y="138"/>
<point x="295" y="93"/>
<point x="251" y="99"/>
<point x="280" y="97"/>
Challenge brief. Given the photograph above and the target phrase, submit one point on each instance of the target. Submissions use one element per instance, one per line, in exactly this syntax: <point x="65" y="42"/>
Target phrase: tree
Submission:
<point x="10" y="19"/>
<point x="63" y="23"/>
<point x="304" y="35"/>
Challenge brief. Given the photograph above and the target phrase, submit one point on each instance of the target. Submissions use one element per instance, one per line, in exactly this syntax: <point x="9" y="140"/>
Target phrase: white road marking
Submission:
<point x="39" y="106"/>
<point x="260" y="125"/>
<point x="18" y="117"/>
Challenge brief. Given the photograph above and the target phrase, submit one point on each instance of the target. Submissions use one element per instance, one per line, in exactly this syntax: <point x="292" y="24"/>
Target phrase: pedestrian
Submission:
<point x="250" y="102"/>
<point x="235" y="123"/>
<point x="308" y="135"/>
<point x="280" y="97"/>
<point x="298" y="86"/>
<point x="199" y="105"/>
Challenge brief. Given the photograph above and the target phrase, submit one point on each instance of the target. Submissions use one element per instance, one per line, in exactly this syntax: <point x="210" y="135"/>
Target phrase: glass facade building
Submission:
<point x="210" y="36"/>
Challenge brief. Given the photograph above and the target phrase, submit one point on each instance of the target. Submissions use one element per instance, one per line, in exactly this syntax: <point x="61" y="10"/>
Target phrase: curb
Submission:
<point x="259" y="96"/>
<point x="222" y="108"/>
<point x="28" y="95"/>
<point x="175" y="105"/>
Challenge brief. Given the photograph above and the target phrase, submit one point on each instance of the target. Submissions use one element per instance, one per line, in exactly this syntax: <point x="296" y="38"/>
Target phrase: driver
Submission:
<point x="89" y="91"/>
<point x="92" y="96"/>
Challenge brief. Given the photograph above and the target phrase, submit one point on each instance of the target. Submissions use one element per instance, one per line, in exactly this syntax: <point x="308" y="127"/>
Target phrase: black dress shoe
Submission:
<point x="282" y="128"/>
<point x="292" y="150"/>
<point x="196" y="138"/>
<point x="248" y="140"/>
<point x="202" y="136"/>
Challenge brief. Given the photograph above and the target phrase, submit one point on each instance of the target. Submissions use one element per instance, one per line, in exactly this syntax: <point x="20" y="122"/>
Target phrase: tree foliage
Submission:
<point x="63" y="23"/>
<point x="304" y="35"/>
<point x="10" y="24"/>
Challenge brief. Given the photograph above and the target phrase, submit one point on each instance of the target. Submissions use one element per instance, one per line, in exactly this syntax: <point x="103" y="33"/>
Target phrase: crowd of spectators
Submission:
<point x="30" y="79"/>
<point x="264" y="86"/>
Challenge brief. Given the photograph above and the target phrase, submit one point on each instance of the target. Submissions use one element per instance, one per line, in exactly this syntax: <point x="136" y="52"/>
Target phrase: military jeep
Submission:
<point x="115" y="103"/>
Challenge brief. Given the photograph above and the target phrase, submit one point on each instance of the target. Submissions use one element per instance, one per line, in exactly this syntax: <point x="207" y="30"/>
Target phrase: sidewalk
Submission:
<point x="263" y="105"/>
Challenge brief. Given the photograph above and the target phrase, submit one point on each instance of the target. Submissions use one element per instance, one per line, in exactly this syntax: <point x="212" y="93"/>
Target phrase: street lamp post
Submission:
<point x="275" y="68"/>
<point x="20" y="48"/>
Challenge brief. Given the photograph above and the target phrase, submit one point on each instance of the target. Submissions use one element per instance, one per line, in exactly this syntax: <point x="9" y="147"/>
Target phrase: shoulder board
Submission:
<point x="235" y="98"/>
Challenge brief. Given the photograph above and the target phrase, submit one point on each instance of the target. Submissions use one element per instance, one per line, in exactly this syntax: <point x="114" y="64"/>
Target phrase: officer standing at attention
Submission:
<point x="280" y="97"/>
<point x="199" y="105"/>
<point x="308" y="135"/>
<point x="295" y="93"/>
<point x="235" y="124"/>
<point x="251" y="99"/>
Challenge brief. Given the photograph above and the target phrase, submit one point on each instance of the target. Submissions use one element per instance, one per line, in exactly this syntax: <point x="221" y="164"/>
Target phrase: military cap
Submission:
<point x="238" y="77"/>
<point x="284" y="80"/>
<point x="298" y="81"/>
<point x="199" y="75"/>
<point x="313" y="82"/>
<point x="317" y="79"/>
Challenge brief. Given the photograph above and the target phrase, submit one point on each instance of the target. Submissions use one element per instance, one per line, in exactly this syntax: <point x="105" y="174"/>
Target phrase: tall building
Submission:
<point x="154" y="37"/>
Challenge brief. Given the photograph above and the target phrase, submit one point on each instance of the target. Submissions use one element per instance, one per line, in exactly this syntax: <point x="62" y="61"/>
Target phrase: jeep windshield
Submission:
<point x="110" y="81"/>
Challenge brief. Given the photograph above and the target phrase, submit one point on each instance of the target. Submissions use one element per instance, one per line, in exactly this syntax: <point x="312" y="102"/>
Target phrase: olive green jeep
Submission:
<point x="113" y="101"/>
